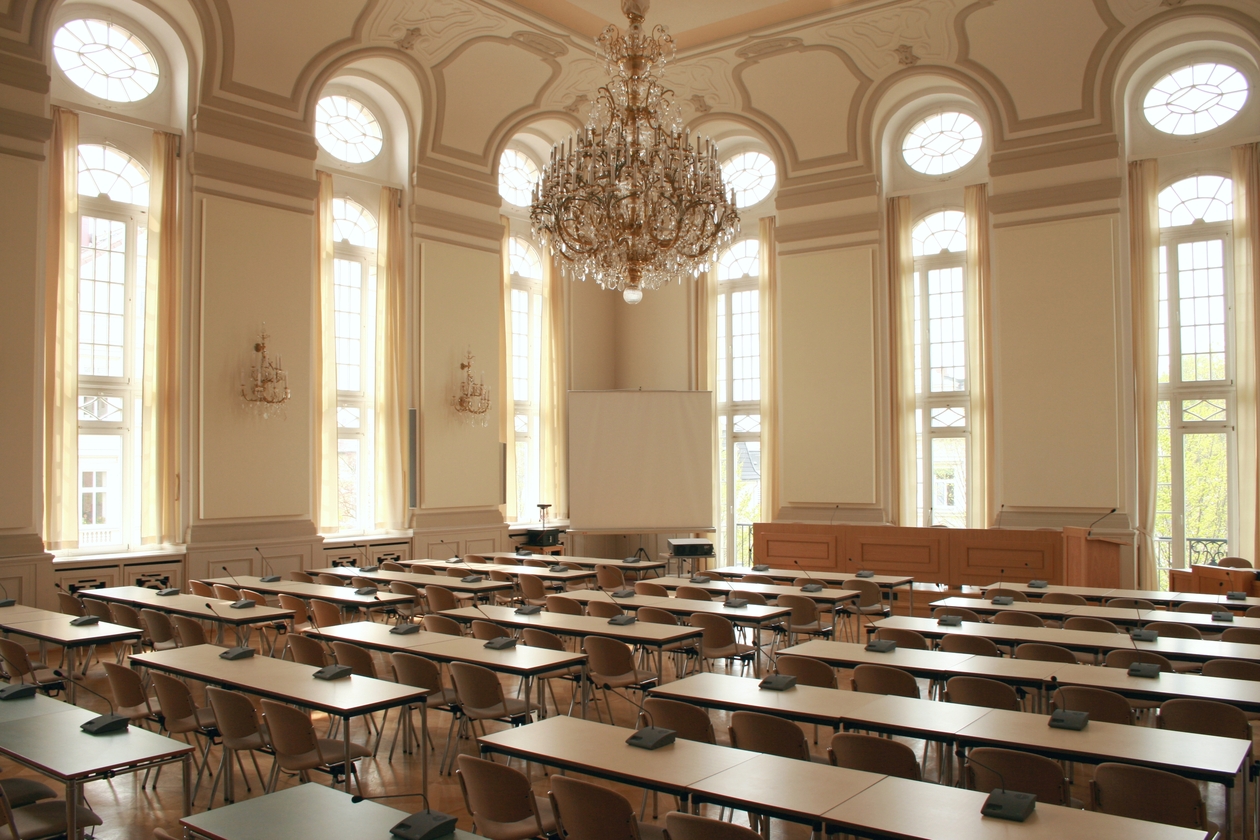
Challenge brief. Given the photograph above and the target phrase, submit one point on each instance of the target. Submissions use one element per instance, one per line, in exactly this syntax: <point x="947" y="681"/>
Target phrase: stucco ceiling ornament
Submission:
<point x="541" y="43"/>
<point x="769" y="45"/>
<point x="881" y="42"/>
<point x="629" y="202"/>
<point x="906" y="56"/>
<point x="431" y="27"/>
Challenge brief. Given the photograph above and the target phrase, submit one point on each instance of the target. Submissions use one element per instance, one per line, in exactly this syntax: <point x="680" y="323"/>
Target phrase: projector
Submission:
<point x="691" y="548"/>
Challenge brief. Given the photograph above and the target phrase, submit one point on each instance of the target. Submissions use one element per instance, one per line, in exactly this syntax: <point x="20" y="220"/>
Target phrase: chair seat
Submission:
<point x="331" y="752"/>
<point x="446" y="697"/>
<point x="26" y="791"/>
<point x="647" y="831"/>
<point x="521" y="829"/>
<point x="259" y="740"/>
<point x="513" y="707"/>
<point x="45" y="819"/>
<point x="140" y="712"/>
<point x="730" y="651"/>
<point x="635" y="677"/>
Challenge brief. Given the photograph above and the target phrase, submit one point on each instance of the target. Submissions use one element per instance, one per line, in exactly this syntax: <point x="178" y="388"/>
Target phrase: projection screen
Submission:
<point x="641" y="461"/>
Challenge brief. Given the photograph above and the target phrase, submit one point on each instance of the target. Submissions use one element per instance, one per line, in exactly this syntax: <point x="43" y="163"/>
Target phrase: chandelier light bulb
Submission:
<point x="632" y="296"/>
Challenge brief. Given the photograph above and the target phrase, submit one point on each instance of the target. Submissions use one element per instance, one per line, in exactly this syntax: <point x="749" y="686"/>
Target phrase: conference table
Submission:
<point x="193" y="606"/>
<point x="830" y="598"/>
<point x="343" y="596"/>
<point x="624" y="564"/>
<point x="541" y="572"/>
<point x="420" y="581"/>
<point x="1116" y="615"/>
<point x="1102" y="594"/>
<point x="885" y="582"/>
<point x="52" y="627"/>
<point x="829" y="798"/>
<point x="1013" y="634"/>
<point x="293" y="683"/>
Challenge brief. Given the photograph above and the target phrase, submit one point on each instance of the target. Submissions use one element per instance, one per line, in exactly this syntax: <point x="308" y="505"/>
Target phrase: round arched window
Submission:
<point x="942" y="143"/>
<point x="523" y="259"/>
<point x="353" y="224"/>
<point x="105" y="172"/>
<point x="1202" y="198"/>
<point x="105" y="60"/>
<point x="517" y="176"/>
<point x="1195" y="99"/>
<point x="742" y="259"/>
<point x="939" y="233"/>
<point x="347" y="129"/>
<point x="751" y="176"/>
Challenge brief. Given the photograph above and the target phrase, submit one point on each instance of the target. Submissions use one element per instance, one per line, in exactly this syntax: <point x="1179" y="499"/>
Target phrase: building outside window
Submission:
<point x="526" y="337"/>
<point x="739" y="398"/>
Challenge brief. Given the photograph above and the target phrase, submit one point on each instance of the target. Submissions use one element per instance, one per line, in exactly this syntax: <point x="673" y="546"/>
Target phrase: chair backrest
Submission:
<point x="500" y="576"/>
<point x="257" y="597"/>
<point x="98" y="608"/>
<point x="1125" y="658"/>
<point x="644" y="587"/>
<point x="1019" y="619"/>
<point x="178" y="709"/>
<point x="1063" y="598"/>
<point x="126" y="615"/>
<point x="1177" y="630"/>
<point x="691" y="723"/>
<point x="692" y="593"/>
<point x="1018" y="771"/>
<point x="487" y="630"/>
<point x="585" y="811"/>
<point x="962" y="612"/>
<point x="1131" y="603"/>
<point x="1252" y="612"/>
<point x="534" y="562"/>
<point x="768" y="734"/>
<point x="391" y="566"/>
<point x="1233" y="669"/>
<point x="16" y="660"/>
<point x="1197" y="607"/>
<point x="67" y="604"/>
<point x="1234" y="563"/>
<point x="909" y="639"/>
<point x="443" y="624"/>
<point x="603" y="609"/>
<point x="1044" y="653"/>
<point x="300" y="577"/>
<point x="656" y="615"/>
<point x="125" y="686"/>
<point x="872" y="595"/>
<point x="327" y="579"/>
<point x="306" y="651"/>
<point x="756" y="578"/>
<point x="1243" y="635"/>
<point x="609" y="577"/>
<point x="532" y="587"/>
<point x="807" y="671"/>
<point x="224" y="592"/>
<point x="680" y="826"/>
<point x="563" y="605"/>
<point x="325" y="613"/>
<point x="401" y="587"/>
<point x="292" y="602"/>
<point x="804" y="610"/>
<point x="440" y="598"/>
<point x="1143" y="793"/>
<point x="234" y="716"/>
<point x="478" y="688"/>
<point x="188" y="631"/>
<point x="608" y="657"/>
<point x="883" y="679"/>
<point x="359" y="659"/>
<point x="534" y="637"/>
<point x="158" y="626"/>
<point x="1204" y="717"/>
<point x="873" y="754"/>
<point x="976" y="691"/>
<point x="496" y="795"/>
<point x="1090" y="624"/>
<point x="719" y="632"/>
<point x="1013" y="594"/>
<point x="1102" y="705"/>
<point x="751" y="597"/>
<point x="974" y="645"/>
<point x="201" y="590"/>
<point x="416" y="671"/>
<point x="292" y="733"/>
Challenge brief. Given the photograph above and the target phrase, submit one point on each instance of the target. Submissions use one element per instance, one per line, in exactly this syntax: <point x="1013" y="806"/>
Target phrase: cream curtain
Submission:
<point x="324" y="366"/>
<point x="61" y="336"/>
<point x="159" y="481"/>
<point x="1246" y="173"/>
<point x="903" y="449"/>
<point x="555" y="391"/>
<point x="980" y="359"/>
<point x="704" y="364"/>
<point x="507" y="419"/>
<point x="1144" y="291"/>
<point x="768" y="286"/>
<point x="391" y="366"/>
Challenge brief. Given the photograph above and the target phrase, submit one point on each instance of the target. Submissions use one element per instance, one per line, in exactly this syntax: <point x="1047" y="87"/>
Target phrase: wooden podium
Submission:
<point x="1213" y="580"/>
<point x="1089" y="560"/>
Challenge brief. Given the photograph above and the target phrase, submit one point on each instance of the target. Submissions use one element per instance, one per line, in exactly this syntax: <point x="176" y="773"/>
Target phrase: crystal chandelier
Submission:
<point x="267" y="387"/>
<point x="629" y="202"/>
<point x="472" y="403"/>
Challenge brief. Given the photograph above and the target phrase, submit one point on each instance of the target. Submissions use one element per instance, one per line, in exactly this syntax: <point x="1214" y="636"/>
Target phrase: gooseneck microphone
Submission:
<point x="244" y="603"/>
<point x="422" y="825"/>
<point x="472" y="576"/>
<point x="101" y="724"/>
<point x="502" y="642"/>
<point x="626" y="618"/>
<point x="333" y="671"/>
<point x="1005" y="804"/>
<point x="268" y="572"/>
<point x="1090" y="530"/>
<point x="1066" y="718"/>
<point x="733" y="603"/>
<point x="809" y="587"/>
<point x="1002" y="600"/>
<point x="6" y="601"/>
<point x="238" y="652"/>
<point x="651" y="737"/>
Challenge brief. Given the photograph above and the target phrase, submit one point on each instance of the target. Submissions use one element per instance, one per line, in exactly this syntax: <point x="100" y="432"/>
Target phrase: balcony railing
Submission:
<point x="743" y="555"/>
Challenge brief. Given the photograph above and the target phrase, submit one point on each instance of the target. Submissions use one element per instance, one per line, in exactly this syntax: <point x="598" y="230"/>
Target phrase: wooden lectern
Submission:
<point x="1213" y="580"/>
<point x="1091" y="560"/>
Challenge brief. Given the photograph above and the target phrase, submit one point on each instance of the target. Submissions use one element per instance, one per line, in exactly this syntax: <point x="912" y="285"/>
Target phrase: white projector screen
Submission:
<point x="641" y="461"/>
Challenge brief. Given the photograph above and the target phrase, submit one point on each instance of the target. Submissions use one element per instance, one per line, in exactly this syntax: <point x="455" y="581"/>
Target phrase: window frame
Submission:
<point x="531" y="407"/>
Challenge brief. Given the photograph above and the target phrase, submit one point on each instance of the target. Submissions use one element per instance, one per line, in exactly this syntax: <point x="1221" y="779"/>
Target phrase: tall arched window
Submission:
<point x="113" y="202"/>
<point x="943" y="402"/>
<point x="354" y="326"/>
<point x="525" y="265"/>
<point x="1196" y="493"/>
<point x="739" y="397"/>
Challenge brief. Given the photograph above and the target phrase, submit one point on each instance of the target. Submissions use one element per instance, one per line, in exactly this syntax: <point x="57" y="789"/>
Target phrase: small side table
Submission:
<point x="679" y="564"/>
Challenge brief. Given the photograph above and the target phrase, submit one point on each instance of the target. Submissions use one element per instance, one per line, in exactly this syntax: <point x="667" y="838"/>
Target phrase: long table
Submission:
<point x="1085" y="640"/>
<point x="46" y="627"/>
<point x="1101" y="594"/>
<point x="543" y="572"/>
<point x="194" y="606"/>
<point x="483" y="587"/>
<point x="343" y="596"/>
<point x="290" y="682"/>
<point x="1116" y="615"/>
<point x="885" y="582"/>
<point x="621" y="563"/>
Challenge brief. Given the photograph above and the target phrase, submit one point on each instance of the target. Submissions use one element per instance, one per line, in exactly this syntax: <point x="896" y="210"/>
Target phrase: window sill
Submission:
<point x="128" y="556"/>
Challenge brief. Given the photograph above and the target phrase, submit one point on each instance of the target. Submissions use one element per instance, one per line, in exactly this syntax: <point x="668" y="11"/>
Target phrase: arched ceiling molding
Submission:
<point x="28" y="21"/>
<point x="748" y="126"/>
<point x="486" y="156"/>
<point x="1093" y="106"/>
<point x="523" y="125"/>
<point x="399" y="116"/>
<point x="784" y="141"/>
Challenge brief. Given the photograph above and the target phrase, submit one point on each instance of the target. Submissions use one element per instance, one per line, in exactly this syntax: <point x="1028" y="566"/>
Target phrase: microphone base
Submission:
<point x="404" y="629"/>
<point x="243" y="604"/>
<point x="167" y="592"/>
<point x="1003" y="601"/>
<point x="366" y="590"/>
<point x="333" y="672"/>
<point x="950" y="621"/>
<point x="881" y="646"/>
<point x="812" y="587"/>
<point x="555" y="570"/>
<point x="631" y="560"/>
<point x="1144" y="635"/>
<point x="1235" y="595"/>
<point x="1068" y="719"/>
<point x="865" y="573"/>
<point x="85" y="620"/>
<point x="1146" y="670"/>
<point x="7" y="602"/>
<point x="652" y="738"/>
<point x="1038" y="584"/>
<point x="622" y="593"/>
<point x="370" y="569"/>
<point x="1009" y="805"/>
<point x="105" y="724"/>
<point x="269" y="579"/>
<point x="622" y="620"/>
<point x="528" y="609"/>
<point x="471" y="579"/>
<point x="425" y="825"/>
<point x="1222" y="616"/>
<point x="501" y="643"/>
<point x="761" y="567"/>
<point x="239" y="652"/>
<point x="778" y="682"/>
<point x="17" y="691"/>
<point x="736" y="603"/>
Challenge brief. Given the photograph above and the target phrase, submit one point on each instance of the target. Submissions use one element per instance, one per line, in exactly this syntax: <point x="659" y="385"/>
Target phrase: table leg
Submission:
<point x="585" y="690"/>
<point x="346" y="739"/>
<point x="424" y="746"/>
<point x="218" y="633"/>
<point x="71" y="665"/>
<point x="72" y="810"/>
<point x="186" y="764"/>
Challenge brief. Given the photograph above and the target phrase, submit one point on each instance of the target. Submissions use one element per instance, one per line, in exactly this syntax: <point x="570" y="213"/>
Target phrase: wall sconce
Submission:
<point x="472" y="403"/>
<point x="266" y="389"/>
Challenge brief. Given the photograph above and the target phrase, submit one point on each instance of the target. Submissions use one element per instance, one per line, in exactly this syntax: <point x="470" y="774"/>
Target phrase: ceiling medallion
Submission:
<point x="629" y="202"/>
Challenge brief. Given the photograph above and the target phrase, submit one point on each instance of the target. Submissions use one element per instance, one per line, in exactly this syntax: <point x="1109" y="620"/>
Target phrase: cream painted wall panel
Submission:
<point x="827" y="381"/>
<point x="652" y="339"/>
<point x="593" y="337"/>
<point x="274" y="40"/>
<point x="483" y="85"/>
<point x="256" y="267"/>
<point x="809" y="94"/>
<point x="1039" y="50"/>
<point x="20" y="318"/>
<point x="1057" y="381"/>
<point x="459" y="311"/>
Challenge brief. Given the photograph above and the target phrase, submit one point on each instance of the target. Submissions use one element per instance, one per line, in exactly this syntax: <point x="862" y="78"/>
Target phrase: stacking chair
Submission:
<point x="439" y="599"/>
<point x="534" y="591"/>
<point x="67" y="604"/>
<point x="360" y="661"/>
<point x="1177" y="630"/>
<point x="758" y="578"/>
<point x="873" y="754"/>
<point x="306" y="651"/>
<point x="690" y="723"/>
<point x="181" y="716"/>
<point x="158" y="628"/>
<point x="126" y="615"/>
<point x="611" y="666"/>
<point x="962" y="612"/>
<point x="300" y="621"/>
<point x="977" y="691"/>
<point x="324" y="613"/>
<point x="327" y="579"/>
<point x="1102" y="705"/>
<point x="869" y="604"/>
<point x="534" y="637"/>
<point x="443" y="624"/>
<point x="301" y="577"/>
<point x="1063" y="598"/>
<point x="884" y="679"/>
<point x="1143" y="793"/>
<point x="240" y="732"/>
<point x="501" y="801"/>
<point x="994" y="768"/>
<point x="586" y="811"/>
<point x="391" y="566"/>
<point x="719" y="642"/>
<point x="20" y="668"/>
<point x="418" y="672"/>
<point x="768" y="734"/>
<point x="299" y="750"/>
<point x="681" y="651"/>
<point x="1131" y="603"/>
<point x="1197" y="607"/>
<point x="682" y="826"/>
<point x="974" y="645"/>
<point x="563" y="605"/>
<point x="603" y="609"/>
<point x="201" y="590"/>
<point x="188" y="631"/>
<point x="1234" y="669"/>
<point x="1045" y="653"/>
<point x="1018" y="619"/>
<point x="807" y="671"/>
<point x="1001" y="592"/>
<point x="130" y="697"/>
<point x="1243" y="635"/>
<point x="224" y="592"/>
<point x="692" y="593"/>
<point x="804" y="620"/>
<point x="1252" y="612"/>
<point x="98" y="608"/>
<point x="502" y="598"/>
<point x="19" y="792"/>
<point x="608" y="577"/>
<point x="1091" y="624"/>
<point x="42" y="819"/>
<point x="1125" y="658"/>
<point x="487" y="630"/>
<point x="909" y="639"/>
<point x="644" y="587"/>
<point x="481" y="698"/>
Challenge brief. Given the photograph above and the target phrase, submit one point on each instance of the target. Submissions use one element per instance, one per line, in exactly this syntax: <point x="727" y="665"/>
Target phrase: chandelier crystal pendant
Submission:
<point x="472" y="403"/>
<point x="266" y="387"/>
<point x="629" y="202"/>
